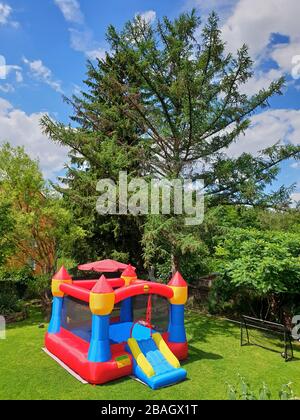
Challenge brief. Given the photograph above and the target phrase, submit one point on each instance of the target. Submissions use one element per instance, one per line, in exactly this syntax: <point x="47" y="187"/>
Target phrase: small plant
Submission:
<point x="286" y="392"/>
<point x="246" y="392"/>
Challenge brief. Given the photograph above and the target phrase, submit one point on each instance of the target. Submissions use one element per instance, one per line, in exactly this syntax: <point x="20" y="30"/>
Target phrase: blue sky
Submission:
<point x="45" y="44"/>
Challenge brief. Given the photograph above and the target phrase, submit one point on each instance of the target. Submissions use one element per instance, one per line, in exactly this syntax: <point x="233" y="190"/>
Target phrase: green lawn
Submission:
<point x="215" y="358"/>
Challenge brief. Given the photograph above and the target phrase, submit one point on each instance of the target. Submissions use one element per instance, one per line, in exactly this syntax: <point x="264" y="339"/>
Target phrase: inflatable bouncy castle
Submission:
<point x="109" y="328"/>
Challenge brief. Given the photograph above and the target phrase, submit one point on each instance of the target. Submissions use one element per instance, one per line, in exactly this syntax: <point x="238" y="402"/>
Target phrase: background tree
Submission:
<point x="6" y="226"/>
<point x="103" y="143"/>
<point x="169" y="103"/>
<point x="37" y="226"/>
<point x="260" y="271"/>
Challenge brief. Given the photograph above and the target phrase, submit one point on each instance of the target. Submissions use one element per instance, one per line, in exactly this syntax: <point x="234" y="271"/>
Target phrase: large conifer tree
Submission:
<point x="167" y="101"/>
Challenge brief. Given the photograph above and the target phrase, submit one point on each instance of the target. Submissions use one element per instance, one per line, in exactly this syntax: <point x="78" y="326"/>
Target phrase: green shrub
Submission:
<point x="258" y="269"/>
<point x="9" y="300"/>
<point x="37" y="286"/>
<point x="120" y="256"/>
<point x="68" y="263"/>
<point x="14" y="287"/>
<point x="262" y="261"/>
<point x="18" y="279"/>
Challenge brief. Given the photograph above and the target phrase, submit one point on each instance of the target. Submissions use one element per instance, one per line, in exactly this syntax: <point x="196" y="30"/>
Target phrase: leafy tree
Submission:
<point x="169" y="102"/>
<point x="286" y="221"/>
<point x="6" y="226"/>
<point x="14" y="283"/>
<point x="165" y="240"/>
<point x="261" y="265"/>
<point x="39" y="228"/>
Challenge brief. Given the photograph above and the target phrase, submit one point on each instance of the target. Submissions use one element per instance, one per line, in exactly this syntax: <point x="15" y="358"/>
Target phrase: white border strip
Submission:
<point x="63" y="365"/>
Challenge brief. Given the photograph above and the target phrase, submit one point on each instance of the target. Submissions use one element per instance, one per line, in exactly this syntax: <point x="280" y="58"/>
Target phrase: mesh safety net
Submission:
<point x="159" y="311"/>
<point x="77" y="317"/>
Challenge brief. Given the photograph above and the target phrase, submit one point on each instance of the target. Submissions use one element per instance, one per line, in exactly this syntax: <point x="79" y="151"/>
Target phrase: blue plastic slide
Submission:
<point x="154" y="363"/>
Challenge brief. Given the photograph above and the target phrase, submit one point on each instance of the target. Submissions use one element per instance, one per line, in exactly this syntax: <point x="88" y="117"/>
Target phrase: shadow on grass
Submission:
<point x="197" y="354"/>
<point x="277" y="351"/>
<point x="202" y="327"/>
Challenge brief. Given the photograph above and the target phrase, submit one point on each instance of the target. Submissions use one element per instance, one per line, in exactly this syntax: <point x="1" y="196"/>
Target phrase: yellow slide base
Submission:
<point x="165" y="351"/>
<point x="140" y="358"/>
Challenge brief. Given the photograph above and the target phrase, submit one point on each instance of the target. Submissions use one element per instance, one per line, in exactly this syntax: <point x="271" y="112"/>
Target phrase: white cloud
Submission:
<point x="42" y="73"/>
<point x="5" y="15"/>
<point x="149" y="16"/>
<point x="266" y="129"/>
<point x="71" y="10"/>
<point x="22" y="129"/>
<point x="81" y="37"/>
<point x="295" y="197"/>
<point x="254" y="22"/>
<point x="19" y="76"/>
<point x="77" y="89"/>
<point x="283" y="54"/>
<point x="4" y="105"/>
<point x="13" y="76"/>
<point x="99" y="53"/>
<point x="12" y="70"/>
<point x="260" y="80"/>
<point x="223" y="7"/>
<point x="82" y="41"/>
<point x="7" y="88"/>
<point x="5" y="12"/>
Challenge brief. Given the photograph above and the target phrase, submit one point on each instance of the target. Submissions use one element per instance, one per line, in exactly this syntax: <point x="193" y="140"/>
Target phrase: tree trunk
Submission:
<point x="174" y="263"/>
<point x="151" y="273"/>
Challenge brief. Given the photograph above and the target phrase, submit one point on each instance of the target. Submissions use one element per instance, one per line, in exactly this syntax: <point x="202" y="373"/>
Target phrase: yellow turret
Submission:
<point x="180" y="289"/>
<point x="102" y="298"/>
<point x="129" y="275"/>
<point x="59" y="278"/>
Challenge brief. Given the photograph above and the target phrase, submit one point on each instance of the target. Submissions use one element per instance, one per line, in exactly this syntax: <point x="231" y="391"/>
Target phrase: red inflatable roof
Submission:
<point x="62" y="274"/>
<point x="129" y="271"/>
<point x="143" y="288"/>
<point x="177" y="281"/>
<point x="104" y="266"/>
<point x="102" y="286"/>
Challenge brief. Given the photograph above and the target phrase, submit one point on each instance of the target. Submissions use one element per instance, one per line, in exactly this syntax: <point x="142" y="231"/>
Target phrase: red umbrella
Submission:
<point x="104" y="266"/>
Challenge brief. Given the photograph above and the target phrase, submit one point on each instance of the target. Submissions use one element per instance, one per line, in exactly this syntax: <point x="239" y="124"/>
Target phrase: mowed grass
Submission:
<point x="216" y="359"/>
